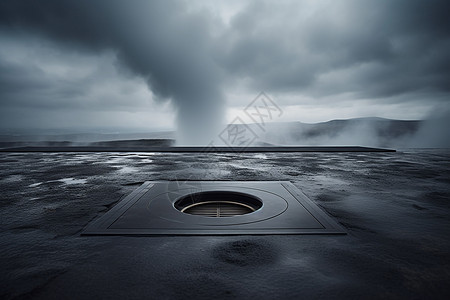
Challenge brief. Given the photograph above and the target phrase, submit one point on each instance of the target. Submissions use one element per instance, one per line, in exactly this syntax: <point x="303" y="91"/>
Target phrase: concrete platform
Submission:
<point x="394" y="207"/>
<point x="150" y="210"/>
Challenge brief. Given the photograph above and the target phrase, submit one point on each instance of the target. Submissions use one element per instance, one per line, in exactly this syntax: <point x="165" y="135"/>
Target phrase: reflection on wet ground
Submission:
<point x="395" y="207"/>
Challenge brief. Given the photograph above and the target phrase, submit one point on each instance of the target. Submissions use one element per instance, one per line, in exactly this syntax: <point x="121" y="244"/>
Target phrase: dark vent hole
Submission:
<point x="218" y="204"/>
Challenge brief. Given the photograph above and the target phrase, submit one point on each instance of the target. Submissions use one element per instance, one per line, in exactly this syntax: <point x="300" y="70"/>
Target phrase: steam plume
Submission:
<point x="157" y="40"/>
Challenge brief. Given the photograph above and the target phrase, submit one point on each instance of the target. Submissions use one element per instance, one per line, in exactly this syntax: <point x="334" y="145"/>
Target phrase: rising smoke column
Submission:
<point x="157" y="40"/>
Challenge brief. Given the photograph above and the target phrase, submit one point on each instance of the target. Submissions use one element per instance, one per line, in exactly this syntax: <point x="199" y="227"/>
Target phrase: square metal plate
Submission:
<point x="150" y="210"/>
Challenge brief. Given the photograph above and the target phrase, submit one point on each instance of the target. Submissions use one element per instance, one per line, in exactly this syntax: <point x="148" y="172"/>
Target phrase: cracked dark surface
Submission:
<point x="395" y="207"/>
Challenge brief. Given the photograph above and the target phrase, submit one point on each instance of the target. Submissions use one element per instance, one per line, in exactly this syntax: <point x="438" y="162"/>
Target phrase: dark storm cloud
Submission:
<point x="385" y="50"/>
<point x="29" y="86"/>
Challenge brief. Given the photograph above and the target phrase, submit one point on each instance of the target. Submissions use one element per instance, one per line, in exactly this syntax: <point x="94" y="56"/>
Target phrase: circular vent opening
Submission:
<point x="218" y="204"/>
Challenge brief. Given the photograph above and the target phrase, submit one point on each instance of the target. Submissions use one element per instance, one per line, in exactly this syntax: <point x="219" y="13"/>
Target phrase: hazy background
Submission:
<point x="192" y="66"/>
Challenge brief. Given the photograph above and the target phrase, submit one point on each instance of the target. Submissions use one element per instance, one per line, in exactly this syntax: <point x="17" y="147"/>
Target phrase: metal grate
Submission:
<point x="218" y="204"/>
<point x="218" y="209"/>
<point x="156" y="208"/>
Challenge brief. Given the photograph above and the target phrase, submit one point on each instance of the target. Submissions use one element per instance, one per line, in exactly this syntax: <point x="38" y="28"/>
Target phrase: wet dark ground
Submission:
<point x="394" y="206"/>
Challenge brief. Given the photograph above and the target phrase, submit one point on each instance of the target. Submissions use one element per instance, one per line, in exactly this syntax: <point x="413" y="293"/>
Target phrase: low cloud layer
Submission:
<point x="115" y="62"/>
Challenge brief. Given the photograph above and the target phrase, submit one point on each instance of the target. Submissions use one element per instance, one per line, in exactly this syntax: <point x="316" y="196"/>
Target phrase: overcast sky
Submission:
<point x="152" y="65"/>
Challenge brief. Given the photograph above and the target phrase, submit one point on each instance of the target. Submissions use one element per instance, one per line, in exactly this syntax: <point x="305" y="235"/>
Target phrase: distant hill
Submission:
<point x="135" y="143"/>
<point x="86" y="137"/>
<point x="376" y="132"/>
